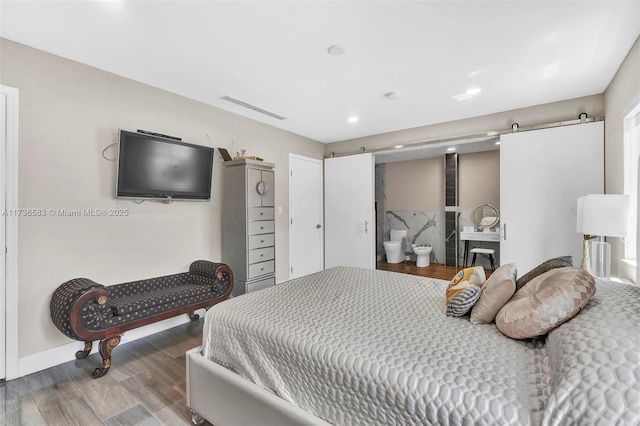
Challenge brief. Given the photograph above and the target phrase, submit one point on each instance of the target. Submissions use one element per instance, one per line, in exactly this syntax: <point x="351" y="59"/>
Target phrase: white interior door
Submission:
<point x="349" y="211"/>
<point x="542" y="175"/>
<point x="3" y="299"/>
<point x="305" y="216"/>
<point x="9" y="229"/>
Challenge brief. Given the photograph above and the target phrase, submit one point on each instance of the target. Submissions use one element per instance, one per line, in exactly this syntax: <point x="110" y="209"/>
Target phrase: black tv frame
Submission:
<point x="157" y="194"/>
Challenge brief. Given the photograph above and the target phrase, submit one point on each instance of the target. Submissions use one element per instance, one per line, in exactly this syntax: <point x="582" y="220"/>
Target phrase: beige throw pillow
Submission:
<point x="497" y="291"/>
<point x="546" y="302"/>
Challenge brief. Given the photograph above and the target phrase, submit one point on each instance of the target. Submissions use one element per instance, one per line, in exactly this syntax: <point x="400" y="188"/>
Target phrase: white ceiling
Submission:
<point x="274" y="54"/>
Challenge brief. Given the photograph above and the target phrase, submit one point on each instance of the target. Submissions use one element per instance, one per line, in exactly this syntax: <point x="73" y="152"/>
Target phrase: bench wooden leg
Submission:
<point x="193" y="316"/>
<point x="106" y="346"/>
<point x="87" y="350"/>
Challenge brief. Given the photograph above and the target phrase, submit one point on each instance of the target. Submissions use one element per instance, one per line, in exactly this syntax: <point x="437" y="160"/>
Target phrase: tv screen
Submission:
<point x="151" y="166"/>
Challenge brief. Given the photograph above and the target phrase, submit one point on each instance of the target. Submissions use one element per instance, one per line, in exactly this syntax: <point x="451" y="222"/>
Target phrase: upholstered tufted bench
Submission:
<point x="87" y="311"/>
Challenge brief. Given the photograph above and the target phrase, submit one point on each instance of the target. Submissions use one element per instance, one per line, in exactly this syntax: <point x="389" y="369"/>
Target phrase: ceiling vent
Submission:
<point x="255" y="108"/>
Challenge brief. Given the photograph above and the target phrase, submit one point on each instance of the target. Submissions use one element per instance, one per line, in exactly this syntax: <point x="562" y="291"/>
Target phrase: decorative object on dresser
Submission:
<point x="248" y="224"/>
<point x="85" y="310"/>
<point x="601" y="215"/>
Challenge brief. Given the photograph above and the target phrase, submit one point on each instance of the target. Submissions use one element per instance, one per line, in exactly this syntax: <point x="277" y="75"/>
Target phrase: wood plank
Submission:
<point x="74" y="412"/>
<point x="434" y="270"/>
<point x="145" y="385"/>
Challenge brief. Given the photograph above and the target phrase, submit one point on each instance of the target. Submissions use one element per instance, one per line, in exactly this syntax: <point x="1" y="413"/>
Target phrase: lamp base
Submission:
<point x="600" y="259"/>
<point x="586" y="257"/>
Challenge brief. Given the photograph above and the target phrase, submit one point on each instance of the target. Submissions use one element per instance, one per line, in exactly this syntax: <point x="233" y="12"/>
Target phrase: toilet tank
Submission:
<point x="398" y="234"/>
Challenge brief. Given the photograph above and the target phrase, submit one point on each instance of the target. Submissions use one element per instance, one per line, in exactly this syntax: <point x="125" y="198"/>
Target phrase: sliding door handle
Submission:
<point x="504" y="232"/>
<point x="366" y="227"/>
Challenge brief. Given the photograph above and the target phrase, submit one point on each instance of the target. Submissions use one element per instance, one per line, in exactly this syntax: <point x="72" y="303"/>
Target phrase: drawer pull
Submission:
<point x="261" y="213"/>
<point x="262" y="255"/>
<point x="262" y="241"/>
<point x="262" y="227"/>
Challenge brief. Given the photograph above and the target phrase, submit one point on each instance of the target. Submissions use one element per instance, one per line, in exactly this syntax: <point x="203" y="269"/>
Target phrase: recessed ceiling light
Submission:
<point x="399" y="146"/>
<point x="392" y="96"/>
<point x="453" y="148"/>
<point x="492" y="133"/>
<point x="498" y="143"/>
<point x="336" y="50"/>
<point x="353" y="119"/>
<point x="468" y="94"/>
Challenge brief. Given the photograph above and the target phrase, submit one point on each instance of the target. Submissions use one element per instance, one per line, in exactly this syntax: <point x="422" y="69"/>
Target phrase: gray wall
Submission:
<point x="623" y="89"/>
<point x="68" y="114"/>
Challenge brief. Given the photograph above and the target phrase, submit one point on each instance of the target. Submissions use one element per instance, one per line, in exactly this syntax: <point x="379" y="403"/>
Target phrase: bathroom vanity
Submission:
<point x="466" y="236"/>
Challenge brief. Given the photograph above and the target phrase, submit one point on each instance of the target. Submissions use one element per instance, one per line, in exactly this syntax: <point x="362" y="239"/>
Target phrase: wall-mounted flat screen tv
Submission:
<point x="151" y="166"/>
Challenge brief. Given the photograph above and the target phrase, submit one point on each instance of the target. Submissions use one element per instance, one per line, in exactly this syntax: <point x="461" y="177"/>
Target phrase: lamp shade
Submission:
<point x="603" y="214"/>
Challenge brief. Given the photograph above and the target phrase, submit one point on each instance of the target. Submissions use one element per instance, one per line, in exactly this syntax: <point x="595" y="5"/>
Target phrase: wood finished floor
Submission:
<point x="145" y="386"/>
<point x="434" y="270"/>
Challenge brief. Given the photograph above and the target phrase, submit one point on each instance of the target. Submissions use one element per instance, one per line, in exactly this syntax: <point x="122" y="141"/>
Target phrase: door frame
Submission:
<point x="11" y="232"/>
<point x="320" y="213"/>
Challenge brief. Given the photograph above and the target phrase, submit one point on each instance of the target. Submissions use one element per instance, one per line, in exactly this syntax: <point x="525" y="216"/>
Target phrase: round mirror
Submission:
<point x="485" y="216"/>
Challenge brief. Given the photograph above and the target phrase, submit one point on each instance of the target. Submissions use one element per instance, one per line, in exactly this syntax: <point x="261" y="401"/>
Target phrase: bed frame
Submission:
<point x="224" y="398"/>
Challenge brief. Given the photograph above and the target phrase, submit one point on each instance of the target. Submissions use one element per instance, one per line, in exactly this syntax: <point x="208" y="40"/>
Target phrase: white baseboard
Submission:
<point x="55" y="356"/>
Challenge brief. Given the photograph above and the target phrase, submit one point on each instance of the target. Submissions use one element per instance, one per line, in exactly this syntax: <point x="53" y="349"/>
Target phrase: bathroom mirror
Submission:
<point x="485" y="216"/>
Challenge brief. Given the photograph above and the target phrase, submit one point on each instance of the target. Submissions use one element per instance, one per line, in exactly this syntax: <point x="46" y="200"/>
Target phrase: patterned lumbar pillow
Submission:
<point x="497" y="291"/>
<point x="464" y="290"/>
<point x="465" y="278"/>
<point x="546" y="302"/>
<point x="556" y="262"/>
<point x="463" y="301"/>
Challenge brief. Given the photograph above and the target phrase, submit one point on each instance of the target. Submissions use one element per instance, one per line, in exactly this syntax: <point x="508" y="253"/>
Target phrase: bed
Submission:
<point x="351" y="346"/>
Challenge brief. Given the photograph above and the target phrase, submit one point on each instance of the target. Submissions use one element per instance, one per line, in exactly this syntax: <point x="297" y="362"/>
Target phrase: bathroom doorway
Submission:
<point x="410" y="195"/>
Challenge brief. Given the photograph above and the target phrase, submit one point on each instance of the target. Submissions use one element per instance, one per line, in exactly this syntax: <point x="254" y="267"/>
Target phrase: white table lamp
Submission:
<point x="601" y="215"/>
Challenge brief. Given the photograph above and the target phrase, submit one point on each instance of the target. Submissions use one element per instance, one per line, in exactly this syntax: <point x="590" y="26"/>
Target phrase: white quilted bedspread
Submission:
<point x="355" y="346"/>
<point x="595" y="361"/>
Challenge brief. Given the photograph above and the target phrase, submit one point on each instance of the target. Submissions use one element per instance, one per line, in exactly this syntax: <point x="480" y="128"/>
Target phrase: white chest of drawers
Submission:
<point x="248" y="224"/>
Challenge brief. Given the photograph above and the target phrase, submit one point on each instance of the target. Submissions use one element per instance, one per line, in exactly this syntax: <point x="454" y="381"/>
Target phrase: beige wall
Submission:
<point x="479" y="179"/>
<point x="419" y="184"/>
<point x="68" y="114"/>
<point x="415" y="185"/>
<point x="624" y="87"/>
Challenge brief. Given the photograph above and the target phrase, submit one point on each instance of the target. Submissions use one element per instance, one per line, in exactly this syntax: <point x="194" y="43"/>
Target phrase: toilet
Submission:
<point x="393" y="248"/>
<point x="424" y="255"/>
